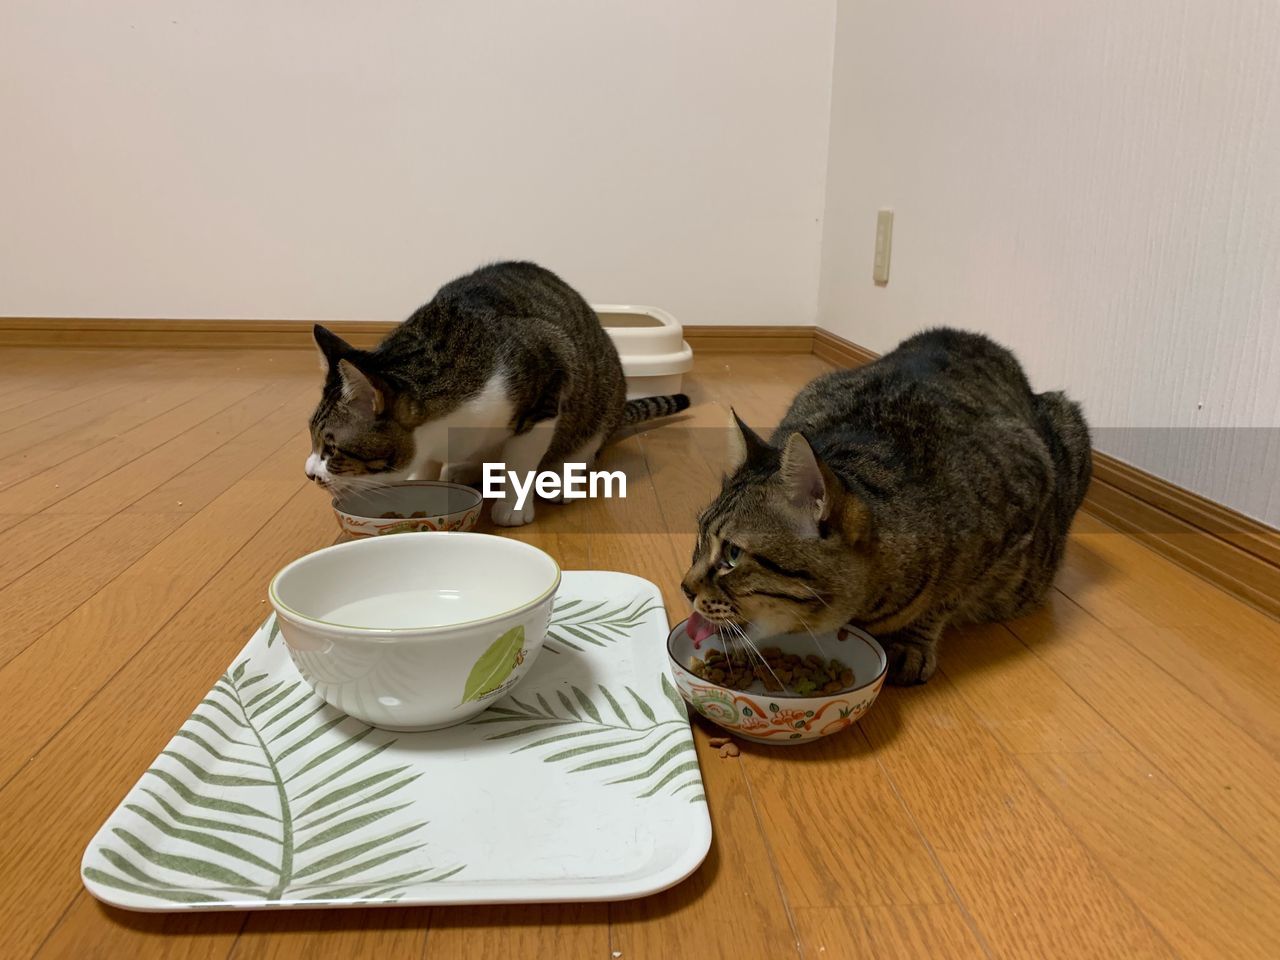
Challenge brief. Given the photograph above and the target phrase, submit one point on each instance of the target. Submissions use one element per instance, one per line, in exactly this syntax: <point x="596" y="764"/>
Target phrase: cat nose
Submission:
<point x="688" y="591"/>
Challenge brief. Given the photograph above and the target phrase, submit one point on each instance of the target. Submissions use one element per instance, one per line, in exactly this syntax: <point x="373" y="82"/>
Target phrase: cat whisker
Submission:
<point x="760" y="656"/>
<point x="340" y="485"/>
<point x="816" y="595"/>
<point x="816" y="643"/>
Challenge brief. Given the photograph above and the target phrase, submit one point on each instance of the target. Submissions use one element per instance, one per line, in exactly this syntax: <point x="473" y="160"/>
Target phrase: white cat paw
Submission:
<point x="464" y="473"/>
<point x="505" y="513"/>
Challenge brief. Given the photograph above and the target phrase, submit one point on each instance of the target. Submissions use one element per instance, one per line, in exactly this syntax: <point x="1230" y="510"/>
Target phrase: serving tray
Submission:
<point x="582" y="785"/>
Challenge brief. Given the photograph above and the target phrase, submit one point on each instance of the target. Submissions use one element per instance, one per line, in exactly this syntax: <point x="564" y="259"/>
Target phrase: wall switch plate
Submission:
<point x="884" y="246"/>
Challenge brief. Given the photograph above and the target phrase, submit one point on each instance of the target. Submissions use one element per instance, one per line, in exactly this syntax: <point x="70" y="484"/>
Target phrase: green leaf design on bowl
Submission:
<point x="494" y="665"/>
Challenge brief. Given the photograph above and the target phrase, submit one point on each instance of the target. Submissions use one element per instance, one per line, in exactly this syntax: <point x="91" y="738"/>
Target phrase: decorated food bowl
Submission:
<point x="412" y="506"/>
<point x="799" y="711"/>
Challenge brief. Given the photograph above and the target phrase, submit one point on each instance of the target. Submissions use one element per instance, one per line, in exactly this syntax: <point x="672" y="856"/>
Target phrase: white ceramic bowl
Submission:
<point x="419" y="631"/>
<point x="419" y="505"/>
<point x="783" y="718"/>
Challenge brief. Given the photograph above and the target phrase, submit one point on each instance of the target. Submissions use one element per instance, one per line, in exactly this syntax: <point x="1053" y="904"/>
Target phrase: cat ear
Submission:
<point x="807" y="481"/>
<point x="745" y="445"/>
<point x="364" y="390"/>
<point x="817" y="495"/>
<point x="332" y="347"/>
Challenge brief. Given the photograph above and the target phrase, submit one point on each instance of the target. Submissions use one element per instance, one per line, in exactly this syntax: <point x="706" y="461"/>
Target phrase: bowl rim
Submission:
<point x="351" y="631"/>
<point x="479" y="499"/>
<point x="858" y="631"/>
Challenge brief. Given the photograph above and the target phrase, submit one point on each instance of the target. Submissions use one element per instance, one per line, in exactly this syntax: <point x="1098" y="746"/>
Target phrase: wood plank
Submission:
<point x="116" y="734"/>
<point x="31" y="540"/>
<point x="37" y="601"/>
<point x="1165" y="852"/>
<point x="1018" y="697"/>
<point x="90" y="930"/>
<point x="17" y="400"/>
<point x="1227" y="773"/>
<point x="282" y="935"/>
<point x="845" y="803"/>
<point x="79" y="402"/>
<point x="45" y="489"/>
<point x="140" y="476"/>
<point x="537" y="931"/>
<point x="143" y="406"/>
<point x="1014" y="865"/>
<point x="933" y="931"/>
<point x="192" y="489"/>
<point x="86" y="648"/>
<point x="1128" y="587"/>
<point x="39" y="537"/>
<point x="1118" y="801"/>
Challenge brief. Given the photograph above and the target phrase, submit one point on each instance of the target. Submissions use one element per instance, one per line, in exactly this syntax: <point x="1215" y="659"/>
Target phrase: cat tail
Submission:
<point x="650" y="408"/>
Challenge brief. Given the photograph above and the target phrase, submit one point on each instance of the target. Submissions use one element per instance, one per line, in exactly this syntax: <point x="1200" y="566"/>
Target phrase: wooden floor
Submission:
<point x="1097" y="780"/>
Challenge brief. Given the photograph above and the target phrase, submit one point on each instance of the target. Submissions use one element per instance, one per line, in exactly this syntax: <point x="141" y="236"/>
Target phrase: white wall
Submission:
<point x="1095" y="184"/>
<point x="317" y="159"/>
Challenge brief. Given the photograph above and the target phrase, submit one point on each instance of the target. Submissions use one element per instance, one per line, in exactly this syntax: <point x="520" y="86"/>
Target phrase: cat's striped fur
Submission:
<point x="929" y="488"/>
<point x="508" y="363"/>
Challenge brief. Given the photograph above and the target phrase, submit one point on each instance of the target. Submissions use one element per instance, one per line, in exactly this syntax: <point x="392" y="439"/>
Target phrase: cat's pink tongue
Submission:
<point x="699" y="628"/>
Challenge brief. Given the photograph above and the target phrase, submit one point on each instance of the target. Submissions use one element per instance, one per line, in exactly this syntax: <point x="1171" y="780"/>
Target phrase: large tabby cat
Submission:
<point x="505" y="364"/>
<point x="928" y="488"/>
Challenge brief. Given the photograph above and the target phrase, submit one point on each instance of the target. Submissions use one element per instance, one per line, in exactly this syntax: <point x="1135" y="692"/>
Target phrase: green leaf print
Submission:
<point x="494" y="665"/>
<point x="597" y="623"/>
<point x="649" y="749"/>
<point x="332" y="828"/>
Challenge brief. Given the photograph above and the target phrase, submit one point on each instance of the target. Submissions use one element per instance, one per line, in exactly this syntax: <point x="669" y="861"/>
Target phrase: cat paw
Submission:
<point x="464" y="473"/>
<point x="910" y="663"/>
<point x="505" y="513"/>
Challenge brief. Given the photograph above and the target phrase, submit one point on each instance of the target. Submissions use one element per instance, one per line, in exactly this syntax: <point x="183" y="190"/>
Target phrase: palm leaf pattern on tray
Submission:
<point x="598" y="623"/>
<point x="624" y="732"/>
<point x="322" y="837"/>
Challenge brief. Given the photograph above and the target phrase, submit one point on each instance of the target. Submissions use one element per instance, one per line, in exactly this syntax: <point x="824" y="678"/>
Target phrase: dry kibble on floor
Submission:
<point x="718" y="741"/>
<point x="729" y="750"/>
<point x="779" y="673"/>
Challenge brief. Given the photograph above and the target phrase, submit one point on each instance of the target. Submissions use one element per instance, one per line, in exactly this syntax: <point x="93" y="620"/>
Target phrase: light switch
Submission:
<point x="884" y="246"/>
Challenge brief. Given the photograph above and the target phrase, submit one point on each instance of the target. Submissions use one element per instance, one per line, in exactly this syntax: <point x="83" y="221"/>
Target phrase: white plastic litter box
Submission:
<point x="651" y="344"/>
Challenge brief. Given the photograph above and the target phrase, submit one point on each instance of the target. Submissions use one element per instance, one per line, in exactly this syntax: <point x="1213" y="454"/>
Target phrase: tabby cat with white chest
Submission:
<point x="926" y="489"/>
<point x="507" y="364"/>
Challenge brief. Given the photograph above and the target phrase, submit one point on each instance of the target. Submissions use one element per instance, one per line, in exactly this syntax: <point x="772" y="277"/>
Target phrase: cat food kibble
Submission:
<point x="729" y="750"/>
<point x="780" y="672"/>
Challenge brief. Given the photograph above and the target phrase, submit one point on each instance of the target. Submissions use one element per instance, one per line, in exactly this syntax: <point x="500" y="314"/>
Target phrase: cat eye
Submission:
<point x="730" y="554"/>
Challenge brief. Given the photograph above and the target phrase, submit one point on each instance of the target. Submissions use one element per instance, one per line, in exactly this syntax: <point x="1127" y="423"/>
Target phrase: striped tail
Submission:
<point x="649" y="408"/>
